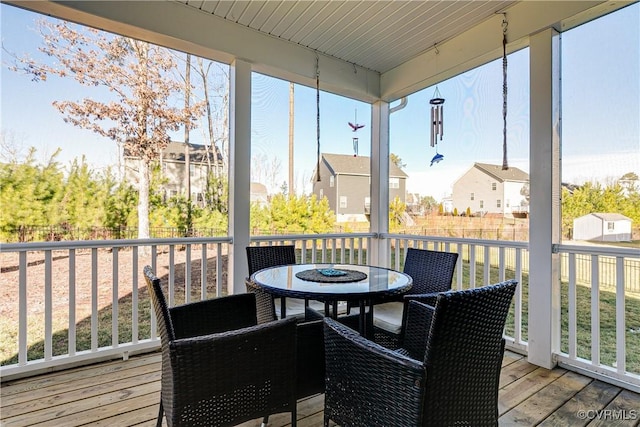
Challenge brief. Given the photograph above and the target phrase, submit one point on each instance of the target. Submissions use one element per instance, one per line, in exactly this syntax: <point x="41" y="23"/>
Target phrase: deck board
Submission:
<point x="126" y="393"/>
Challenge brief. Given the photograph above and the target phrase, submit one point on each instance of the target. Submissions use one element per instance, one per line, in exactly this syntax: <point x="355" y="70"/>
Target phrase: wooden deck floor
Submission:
<point x="126" y="393"/>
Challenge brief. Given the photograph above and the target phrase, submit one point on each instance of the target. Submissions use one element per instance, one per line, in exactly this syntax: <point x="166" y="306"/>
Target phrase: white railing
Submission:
<point x="91" y="295"/>
<point x="81" y="301"/>
<point x="600" y="321"/>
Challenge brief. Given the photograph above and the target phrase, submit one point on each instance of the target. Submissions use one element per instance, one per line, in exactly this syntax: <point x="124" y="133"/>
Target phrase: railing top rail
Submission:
<point x="599" y="250"/>
<point x="479" y="242"/>
<point x="278" y="237"/>
<point x="84" y="244"/>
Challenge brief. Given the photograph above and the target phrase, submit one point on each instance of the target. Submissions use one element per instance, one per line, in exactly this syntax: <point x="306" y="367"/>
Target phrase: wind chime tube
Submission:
<point x="441" y="121"/>
<point x="432" y="128"/>
<point x="436" y="124"/>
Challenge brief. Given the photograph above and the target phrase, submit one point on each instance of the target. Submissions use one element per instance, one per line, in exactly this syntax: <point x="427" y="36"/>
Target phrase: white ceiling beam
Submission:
<point x="178" y="26"/>
<point x="483" y="43"/>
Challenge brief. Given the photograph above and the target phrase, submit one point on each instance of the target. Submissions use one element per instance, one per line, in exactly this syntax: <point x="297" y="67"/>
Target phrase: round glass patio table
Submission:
<point x="283" y="281"/>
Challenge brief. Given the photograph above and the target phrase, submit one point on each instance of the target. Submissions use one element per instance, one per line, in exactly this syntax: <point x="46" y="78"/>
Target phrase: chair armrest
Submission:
<point x="416" y="326"/>
<point x="214" y="315"/>
<point x="429" y="298"/>
<point x="370" y="378"/>
<point x="258" y="360"/>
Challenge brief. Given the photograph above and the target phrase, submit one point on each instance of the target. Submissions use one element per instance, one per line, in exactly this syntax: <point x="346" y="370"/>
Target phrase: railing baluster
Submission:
<point x="621" y="324"/>
<point x="22" y="307"/>
<point x="48" y="307"/>
<point x="135" y="317"/>
<point x="71" y="348"/>
<point x="219" y="270"/>
<point x="94" y="299"/>
<point x="154" y="267"/>
<point x="172" y="276"/>
<point x="595" y="312"/>
<point x="187" y="274"/>
<point x="518" y="305"/>
<point x="572" y="308"/>
<point x="203" y="273"/>
<point x="114" y="299"/>
<point x="487" y="265"/>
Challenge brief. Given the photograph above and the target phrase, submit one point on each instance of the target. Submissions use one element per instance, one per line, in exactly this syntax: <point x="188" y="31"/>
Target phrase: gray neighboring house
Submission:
<point x="345" y="181"/>
<point x="487" y="189"/>
<point x="602" y="227"/>
<point x="173" y="168"/>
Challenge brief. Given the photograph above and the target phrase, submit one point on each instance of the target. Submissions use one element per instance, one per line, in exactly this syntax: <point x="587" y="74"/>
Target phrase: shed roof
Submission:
<point x="344" y="164"/>
<point x="608" y="216"/>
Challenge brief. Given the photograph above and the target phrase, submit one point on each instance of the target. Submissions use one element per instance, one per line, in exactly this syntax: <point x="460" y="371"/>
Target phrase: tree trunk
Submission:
<point x="143" y="200"/>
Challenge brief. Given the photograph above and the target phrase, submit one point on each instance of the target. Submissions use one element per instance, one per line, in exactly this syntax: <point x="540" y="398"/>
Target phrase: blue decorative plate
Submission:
<point x="331" y="272"/>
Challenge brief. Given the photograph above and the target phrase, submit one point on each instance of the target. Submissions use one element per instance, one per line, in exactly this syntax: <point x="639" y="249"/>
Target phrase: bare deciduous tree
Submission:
<point x="136" y="73"/>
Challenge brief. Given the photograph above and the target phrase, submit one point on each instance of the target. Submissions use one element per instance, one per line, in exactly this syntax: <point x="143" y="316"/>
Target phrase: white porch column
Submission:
<point x="239" y="172"/>
<point x="378" y="253"/>
<point x="544" y="221"/>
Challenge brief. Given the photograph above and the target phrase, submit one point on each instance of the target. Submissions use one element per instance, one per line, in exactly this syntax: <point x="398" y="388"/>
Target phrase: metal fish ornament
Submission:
<point x="437" y="158"/>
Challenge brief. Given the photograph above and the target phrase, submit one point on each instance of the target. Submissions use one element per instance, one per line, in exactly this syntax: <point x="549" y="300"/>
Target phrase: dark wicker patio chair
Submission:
<point x="447" y="372"/>
<point x="432" y="273"/>
<point x="219" y="367"/>
<point x="259" y="257"/>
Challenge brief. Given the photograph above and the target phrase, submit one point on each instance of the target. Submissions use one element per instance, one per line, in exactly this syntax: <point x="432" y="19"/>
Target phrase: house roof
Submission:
<point x="344" y="164"/>
<point x="197" y="153"/>
<point x="175" y="152"/>
<point x="608" y="216"/>
<point x="511" y="174"/>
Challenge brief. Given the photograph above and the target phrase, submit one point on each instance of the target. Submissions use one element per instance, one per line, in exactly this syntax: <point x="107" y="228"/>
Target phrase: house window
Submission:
<point x="473" y="196"/>
<point x="508" y="203"/>
<point x="611" y="226"/>
<point x="394" y="182"/>
<point x="321" y="193"/>
<point x="481" y="204"/>
<point x="332" y="181"/>
<point x="494" y="186"/>
<point x="343" y="201"/>
<point x="498" y="203"/>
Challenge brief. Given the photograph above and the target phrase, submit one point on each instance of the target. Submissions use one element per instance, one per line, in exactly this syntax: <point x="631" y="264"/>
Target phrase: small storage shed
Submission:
<point x="602" y="227"/>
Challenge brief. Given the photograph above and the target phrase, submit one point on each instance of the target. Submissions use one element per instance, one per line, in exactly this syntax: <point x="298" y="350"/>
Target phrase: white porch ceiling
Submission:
<point x="366" y="49"/>
<point x="378" y="35"/>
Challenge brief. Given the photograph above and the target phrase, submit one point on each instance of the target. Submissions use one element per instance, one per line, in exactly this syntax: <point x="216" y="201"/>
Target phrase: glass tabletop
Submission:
<point x="283" y="281"/>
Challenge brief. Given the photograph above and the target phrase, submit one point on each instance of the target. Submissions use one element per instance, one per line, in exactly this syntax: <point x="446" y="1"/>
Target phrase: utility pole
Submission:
<point x="291" y="189"/>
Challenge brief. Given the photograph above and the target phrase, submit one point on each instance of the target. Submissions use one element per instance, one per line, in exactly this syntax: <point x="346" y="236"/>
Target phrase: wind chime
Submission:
<point x="437" y="123"/>
<point x="355" y="127"/>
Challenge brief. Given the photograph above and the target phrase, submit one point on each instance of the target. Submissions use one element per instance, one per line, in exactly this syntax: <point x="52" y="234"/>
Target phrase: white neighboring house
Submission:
<point x="487" y="189"/>
<point x="602" y="227"/>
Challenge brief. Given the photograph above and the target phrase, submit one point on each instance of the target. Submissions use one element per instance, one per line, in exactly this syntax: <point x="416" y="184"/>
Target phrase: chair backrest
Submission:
<point x="431" y="271"/>
<point x="259" y="257"/>
<point x="165" y="326"/>
<point x="464" y="355"/>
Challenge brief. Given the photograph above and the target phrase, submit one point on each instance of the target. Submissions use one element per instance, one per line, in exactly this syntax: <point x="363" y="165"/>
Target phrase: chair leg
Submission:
<point x="294" y="417"/>
<point x="265" y="421"/>
<point x="160" y="413"/>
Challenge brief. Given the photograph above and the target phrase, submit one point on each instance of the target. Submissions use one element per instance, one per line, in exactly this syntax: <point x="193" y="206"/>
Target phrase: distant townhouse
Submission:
<point x="487" y="189"/>
<point x="345" y="181"/>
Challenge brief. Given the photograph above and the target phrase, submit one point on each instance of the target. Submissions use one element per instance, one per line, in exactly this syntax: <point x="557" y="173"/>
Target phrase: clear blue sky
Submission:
<point x="601" y="112"/>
